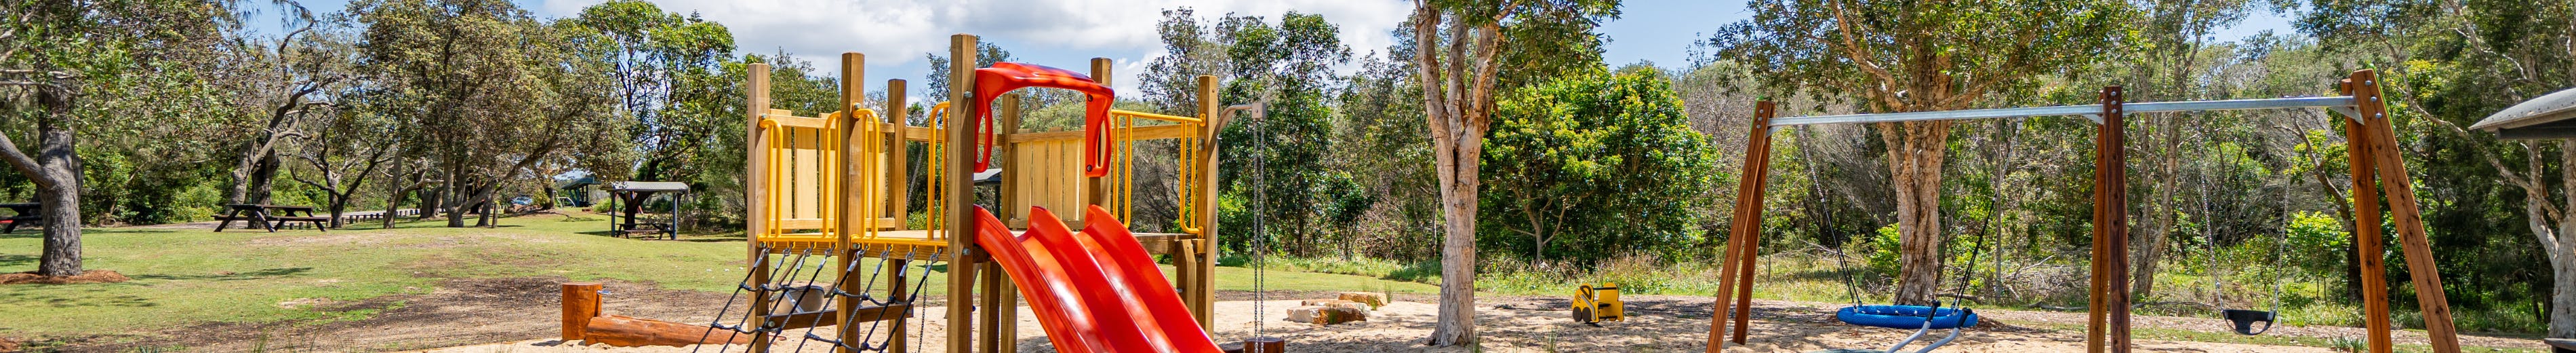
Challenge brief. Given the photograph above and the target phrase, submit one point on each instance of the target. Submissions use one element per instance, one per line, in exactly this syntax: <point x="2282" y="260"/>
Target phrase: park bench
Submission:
<point x="2561" y="345"/>
<point x="27" y="213"/>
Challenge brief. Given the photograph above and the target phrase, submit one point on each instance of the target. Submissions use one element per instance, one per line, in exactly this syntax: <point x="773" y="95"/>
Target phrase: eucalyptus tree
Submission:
<point x="290" y="79"/>
<point x="2449" y="63"/>
<point x="56" y="59"/>
<point x="1460" y="46"/>
<point x="654" y="53"/>
<point x="1919" y="56"/>
<point x="490" y="92"/>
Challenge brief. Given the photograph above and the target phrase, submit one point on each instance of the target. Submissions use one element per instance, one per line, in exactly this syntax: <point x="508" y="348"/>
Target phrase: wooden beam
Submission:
<point x="756" y="91"/>
<point x="898" y="175"/>
<point x="2366" y="231"/>
<point x="1743" y="228"/>
<point x="580" y="303"/>
<point x="2407" y="212"/>
<point x="854" y="189"/>
<point x="1098" y="191"/>
<point x="2115" y="121"/>
<point x="960" y="198"/>
<point x="1200" y="293"/>
<point x="896" y="289"/>
<point x="623" y="331"/>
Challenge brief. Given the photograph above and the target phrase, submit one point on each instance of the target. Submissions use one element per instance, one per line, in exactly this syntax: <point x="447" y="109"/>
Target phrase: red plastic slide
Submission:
<point x="1094" y="292"/>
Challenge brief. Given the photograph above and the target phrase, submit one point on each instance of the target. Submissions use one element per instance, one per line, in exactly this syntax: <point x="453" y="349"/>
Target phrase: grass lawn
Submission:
<point x="186" y="277"/>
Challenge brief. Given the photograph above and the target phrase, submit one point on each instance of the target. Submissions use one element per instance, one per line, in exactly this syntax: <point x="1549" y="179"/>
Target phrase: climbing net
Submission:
<point x="870" y="282"/>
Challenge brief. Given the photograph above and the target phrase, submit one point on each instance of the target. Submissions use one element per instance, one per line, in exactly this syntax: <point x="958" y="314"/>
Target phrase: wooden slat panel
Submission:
<point x="804" y="196"/>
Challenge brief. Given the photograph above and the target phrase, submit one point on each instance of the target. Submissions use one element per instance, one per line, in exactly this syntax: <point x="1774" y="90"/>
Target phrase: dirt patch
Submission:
<point x="7" y="345"/>
<point x="459" y="312"/>
<point x="91" y="276"/>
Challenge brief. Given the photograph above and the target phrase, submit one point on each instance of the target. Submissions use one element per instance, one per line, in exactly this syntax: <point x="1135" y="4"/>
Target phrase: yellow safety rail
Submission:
<point x="825" y="138"/>
<point x="933" y="169"/>
<point x="1123" y="179"/>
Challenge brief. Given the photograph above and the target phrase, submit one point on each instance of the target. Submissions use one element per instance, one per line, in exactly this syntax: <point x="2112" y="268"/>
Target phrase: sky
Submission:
<point x="894" y="34"/>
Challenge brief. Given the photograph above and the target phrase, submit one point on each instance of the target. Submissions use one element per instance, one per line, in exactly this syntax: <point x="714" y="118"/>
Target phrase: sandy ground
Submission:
<point x="468" y="316"/>
<point x="1658" y="324"/>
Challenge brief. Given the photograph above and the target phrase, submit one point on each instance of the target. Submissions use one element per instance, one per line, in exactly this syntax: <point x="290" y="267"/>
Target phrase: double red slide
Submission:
<point x="1093" y="291"/>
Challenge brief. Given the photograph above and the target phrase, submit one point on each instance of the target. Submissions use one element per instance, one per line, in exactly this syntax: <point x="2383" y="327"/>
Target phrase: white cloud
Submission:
<point x="895" y="33"/>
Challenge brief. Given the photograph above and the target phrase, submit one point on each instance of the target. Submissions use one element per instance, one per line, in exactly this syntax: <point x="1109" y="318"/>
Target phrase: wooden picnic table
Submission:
<point x="26" y="213"/>
<point x="270" y="216"/>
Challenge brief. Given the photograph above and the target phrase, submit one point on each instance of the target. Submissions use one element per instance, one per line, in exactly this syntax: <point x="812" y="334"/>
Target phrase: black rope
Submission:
<point x="718" y="322"/>
<point x="1825" y="225"/>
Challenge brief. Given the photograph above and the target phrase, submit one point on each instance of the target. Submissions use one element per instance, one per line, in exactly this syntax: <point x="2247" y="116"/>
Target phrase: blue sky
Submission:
<point x="1067" y="33"/>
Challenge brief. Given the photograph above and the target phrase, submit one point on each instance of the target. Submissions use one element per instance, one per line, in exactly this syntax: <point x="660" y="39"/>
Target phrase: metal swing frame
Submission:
<point x="2375" y="161"/>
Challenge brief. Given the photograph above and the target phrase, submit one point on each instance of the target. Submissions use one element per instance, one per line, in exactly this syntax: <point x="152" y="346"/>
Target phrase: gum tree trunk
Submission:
<point x="56" y="172"/>
<point x="1915" y="154"/>
<point x="2560" y="244"/>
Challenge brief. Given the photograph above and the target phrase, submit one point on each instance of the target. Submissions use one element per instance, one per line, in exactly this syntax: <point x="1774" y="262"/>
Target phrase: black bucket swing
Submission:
<point x="2244" y="320"/>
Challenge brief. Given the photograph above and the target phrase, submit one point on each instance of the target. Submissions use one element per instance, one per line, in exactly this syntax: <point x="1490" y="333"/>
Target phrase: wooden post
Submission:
<point x="1097" y="191"/>
<point x="896" y="288"/>
<point x="898" y="176"/>
<point x="2115" y="123"/>
<point x="849" y="213"/>
<point x="2406" y="211"/>
<point x="580" y="303"/>
<point x="960" y="196"/>
<point x="2366" y="236"/>
<point x="1005" y="317"/>
<point x="898" y="190"/>
<point x="2107" y="327"/>
<point x="1201" y="292"/>
<point x="1742" y="230"/>
<point x="756" y="190"/>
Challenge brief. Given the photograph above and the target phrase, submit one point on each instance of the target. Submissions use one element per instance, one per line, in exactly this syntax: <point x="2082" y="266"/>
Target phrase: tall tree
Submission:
<point x="2176" y="31"/>
<point x="1608" y="158"/>
<point x="1288" y="66"/>
<point x="293" y="76"/>
<point x="1918" y="56"/>
<point x="1460" y="46"/>
<point x="52" y="54"/>
<point x="2462" y="61"/>
<point x="655" y="54"/>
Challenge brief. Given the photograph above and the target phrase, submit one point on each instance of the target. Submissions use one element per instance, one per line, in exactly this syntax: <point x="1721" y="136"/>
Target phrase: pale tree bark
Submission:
<point x="1457" y="96"/>
<point x="56" y="172"/>
<point x="2560" y="244"/>
<point x="1915" y="152"/>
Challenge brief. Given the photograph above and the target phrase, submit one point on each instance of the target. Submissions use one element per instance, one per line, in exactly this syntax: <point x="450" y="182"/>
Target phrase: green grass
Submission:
<point x="186" y="277"/>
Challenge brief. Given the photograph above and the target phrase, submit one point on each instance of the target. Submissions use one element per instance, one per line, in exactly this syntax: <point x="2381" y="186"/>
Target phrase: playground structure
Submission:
<point x="829" y="245"/>
<point x="2374" y="160"/>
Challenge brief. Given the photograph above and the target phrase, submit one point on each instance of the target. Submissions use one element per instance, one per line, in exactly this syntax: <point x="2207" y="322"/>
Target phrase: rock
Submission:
<point x="1372" y="299"/>
<point x="1326" y="315"/>
<point x="1321" y="302"/>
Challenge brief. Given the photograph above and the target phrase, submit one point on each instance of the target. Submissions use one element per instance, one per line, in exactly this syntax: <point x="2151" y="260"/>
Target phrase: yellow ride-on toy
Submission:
<point x="1594" y="304"/>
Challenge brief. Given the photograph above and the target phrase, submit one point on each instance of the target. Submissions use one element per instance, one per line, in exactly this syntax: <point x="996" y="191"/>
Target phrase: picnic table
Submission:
<point x="270" y="216"/>
<point x="26" y="213"/>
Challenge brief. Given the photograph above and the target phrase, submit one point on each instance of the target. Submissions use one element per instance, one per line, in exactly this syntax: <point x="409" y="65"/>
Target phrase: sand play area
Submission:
<point x="1541" y="324"/>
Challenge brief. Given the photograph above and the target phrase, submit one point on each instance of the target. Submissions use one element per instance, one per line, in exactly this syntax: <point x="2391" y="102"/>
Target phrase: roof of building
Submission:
<point x="2551" y="116"/>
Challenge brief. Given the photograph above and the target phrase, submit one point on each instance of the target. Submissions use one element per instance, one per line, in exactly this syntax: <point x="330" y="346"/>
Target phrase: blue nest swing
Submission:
<point x="1905" y="316"/>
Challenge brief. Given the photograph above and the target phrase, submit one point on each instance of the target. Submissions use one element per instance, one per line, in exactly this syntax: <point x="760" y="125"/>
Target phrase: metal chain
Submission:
<point x="1260" y="225"/>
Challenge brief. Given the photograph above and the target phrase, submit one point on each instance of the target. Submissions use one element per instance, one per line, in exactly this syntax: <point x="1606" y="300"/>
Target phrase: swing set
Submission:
<point x="2377" y="170"/>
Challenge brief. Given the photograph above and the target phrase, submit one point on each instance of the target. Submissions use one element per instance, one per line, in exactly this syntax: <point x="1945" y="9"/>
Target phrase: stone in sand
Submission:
<point x="1326" y="315"/>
